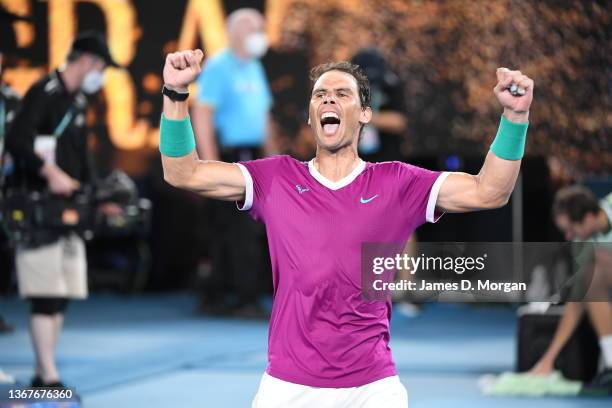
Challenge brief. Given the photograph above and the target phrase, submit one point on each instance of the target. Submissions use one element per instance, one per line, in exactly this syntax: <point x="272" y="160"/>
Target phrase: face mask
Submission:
<point x="92" y="82"/>
<point x="256" y="45"/>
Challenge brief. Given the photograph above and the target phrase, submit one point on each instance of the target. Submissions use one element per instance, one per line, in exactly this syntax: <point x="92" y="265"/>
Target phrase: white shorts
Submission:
<point x="274" y="393"/>
<point x="55" y="270"/>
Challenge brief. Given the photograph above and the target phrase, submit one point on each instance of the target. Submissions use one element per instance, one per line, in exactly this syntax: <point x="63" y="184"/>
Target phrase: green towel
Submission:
<point x="528" y="385"/>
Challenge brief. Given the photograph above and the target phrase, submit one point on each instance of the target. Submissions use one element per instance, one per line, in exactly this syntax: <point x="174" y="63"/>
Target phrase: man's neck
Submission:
<point x="71" y="77"/>
<point x="240" y="54"/>
<point x="335" y="166"/>
<point x="603" y="223"/>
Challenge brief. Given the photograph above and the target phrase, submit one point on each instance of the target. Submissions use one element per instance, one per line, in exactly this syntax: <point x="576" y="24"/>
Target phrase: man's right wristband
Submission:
<point x="176" y="137"/>
<point x="509" y="144"/>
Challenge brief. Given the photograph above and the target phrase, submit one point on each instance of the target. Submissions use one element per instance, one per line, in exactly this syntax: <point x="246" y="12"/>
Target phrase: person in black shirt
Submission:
<point x="48" y="143"/>
<point x="9" y="103"/>
<point x="382" y="138"/>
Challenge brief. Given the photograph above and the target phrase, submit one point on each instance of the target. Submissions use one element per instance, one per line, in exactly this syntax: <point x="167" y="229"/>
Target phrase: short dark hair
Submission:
<point x="352" y="69"/>
<point x="575" y="202"/>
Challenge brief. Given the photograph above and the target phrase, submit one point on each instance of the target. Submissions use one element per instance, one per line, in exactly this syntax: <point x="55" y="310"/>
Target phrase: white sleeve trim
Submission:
<point x="433" y="198"/>
<point x="248" y="188"/>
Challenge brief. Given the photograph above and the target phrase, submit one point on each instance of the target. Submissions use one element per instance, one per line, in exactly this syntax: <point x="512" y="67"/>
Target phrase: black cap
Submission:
<point x="372" y="62"/>
<point x="93" y="43"/>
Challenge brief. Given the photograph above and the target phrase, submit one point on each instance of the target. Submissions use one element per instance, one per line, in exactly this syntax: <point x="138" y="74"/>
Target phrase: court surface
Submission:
<point x="155" y="351"/>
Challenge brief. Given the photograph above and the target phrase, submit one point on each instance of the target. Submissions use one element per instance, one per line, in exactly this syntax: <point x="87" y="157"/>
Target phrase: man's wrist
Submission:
<point x="175" y="110"/>
<point x="179" y="89"/>
<point x="549" y="357"/>
<point x="46" y="169"/>
<point x="516" y="117"/>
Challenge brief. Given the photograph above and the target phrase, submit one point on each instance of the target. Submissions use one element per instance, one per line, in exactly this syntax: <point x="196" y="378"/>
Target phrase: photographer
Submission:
<point x="382" y="139"/>
<point x="9" y="104"/>
<point x="48" y="142"/>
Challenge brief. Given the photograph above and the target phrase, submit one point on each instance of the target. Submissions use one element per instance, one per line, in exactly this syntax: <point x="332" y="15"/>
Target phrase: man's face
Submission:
<point x="252" y="25"/>
<point x="92" y="78"/>
<point x="335" y="112"/>
<point x="245" y="26"/>
<point x="93" y="63"/>
<point x="90" y="63"/>
<point x="576" y="230"/>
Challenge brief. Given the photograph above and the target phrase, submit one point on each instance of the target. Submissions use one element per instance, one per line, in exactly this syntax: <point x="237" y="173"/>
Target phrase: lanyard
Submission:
<point x="2" y="119"/>
<point x="64" y="123"/>
<point x="2" y="127"/>
<point x="58" y="130"/>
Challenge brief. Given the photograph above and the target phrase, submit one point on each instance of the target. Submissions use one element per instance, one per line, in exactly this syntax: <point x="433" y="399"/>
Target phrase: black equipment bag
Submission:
<point x="579" y="358"/>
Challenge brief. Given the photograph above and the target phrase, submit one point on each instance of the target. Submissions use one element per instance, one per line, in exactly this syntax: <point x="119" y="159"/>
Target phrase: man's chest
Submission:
<point x="61" y="117"/>
<point x="243" y="83"/>
<point x="366" y="210"/>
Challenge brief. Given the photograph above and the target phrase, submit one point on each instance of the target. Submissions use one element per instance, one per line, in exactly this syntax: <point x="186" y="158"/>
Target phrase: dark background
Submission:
<point x="437" y="48"/>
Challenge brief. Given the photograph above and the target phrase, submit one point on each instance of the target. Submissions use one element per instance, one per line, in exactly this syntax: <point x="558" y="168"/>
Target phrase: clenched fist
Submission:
<point x="515" y="104"/>
<point x="182" y="68"/>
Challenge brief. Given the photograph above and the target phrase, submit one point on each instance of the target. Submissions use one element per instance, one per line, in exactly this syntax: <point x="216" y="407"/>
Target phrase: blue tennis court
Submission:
<point x="155" y="351"/>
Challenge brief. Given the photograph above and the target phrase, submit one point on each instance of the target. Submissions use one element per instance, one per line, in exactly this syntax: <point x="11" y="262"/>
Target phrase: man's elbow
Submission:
<point x="495" y="201"/>
<point x="176" y="179"/>
<point x="172" y="180"/>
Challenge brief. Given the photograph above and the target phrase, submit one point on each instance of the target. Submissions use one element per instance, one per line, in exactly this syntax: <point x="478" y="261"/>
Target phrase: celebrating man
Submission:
<point x="327" y="347"/>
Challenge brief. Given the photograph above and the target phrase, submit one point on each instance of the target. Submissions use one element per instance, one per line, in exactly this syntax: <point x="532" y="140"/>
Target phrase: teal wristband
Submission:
<point x="509" y="143"/>
<point x="176" y="137"/>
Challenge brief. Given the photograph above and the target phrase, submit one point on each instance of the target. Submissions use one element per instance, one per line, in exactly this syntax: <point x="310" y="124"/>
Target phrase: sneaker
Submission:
<point x="37" y="382"/>
<point x="600" y="386"/>
<point x="55" y="384"/>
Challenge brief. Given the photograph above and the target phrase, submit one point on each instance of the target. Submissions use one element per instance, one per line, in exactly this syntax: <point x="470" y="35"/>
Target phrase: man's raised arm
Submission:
<point x="492" y="186"/>
<point x="214" y="179"/>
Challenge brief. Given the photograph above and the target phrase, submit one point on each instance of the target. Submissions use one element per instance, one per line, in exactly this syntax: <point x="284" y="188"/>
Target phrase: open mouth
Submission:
<point x="330" y="122"/>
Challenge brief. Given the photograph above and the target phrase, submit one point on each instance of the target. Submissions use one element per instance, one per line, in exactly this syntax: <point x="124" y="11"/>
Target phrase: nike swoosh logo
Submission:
<point x="367" y="200"/>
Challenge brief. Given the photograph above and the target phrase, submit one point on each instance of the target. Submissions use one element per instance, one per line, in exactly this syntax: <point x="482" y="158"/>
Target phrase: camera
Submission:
<point x="33" y="217"/>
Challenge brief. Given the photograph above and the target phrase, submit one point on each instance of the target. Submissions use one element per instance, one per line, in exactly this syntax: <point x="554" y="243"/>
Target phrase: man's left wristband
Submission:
<point x="176" y="137"/>
<point x="174" y="95"/>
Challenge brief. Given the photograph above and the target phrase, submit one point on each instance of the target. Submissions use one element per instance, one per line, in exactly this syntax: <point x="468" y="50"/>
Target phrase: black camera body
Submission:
<point x="34" y="218"/>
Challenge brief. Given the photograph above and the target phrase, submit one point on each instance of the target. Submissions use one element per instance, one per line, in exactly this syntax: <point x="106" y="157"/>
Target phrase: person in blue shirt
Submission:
<point x="234" y="100"/>
<point x="231" y="120"/>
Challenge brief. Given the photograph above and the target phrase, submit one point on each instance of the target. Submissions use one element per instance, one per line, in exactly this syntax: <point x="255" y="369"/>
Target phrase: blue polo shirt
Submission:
<point x="238" y="92"/>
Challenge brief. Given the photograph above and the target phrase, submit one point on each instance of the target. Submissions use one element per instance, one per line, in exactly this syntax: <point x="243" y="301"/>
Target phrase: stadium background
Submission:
<point x="152" y="350"/>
